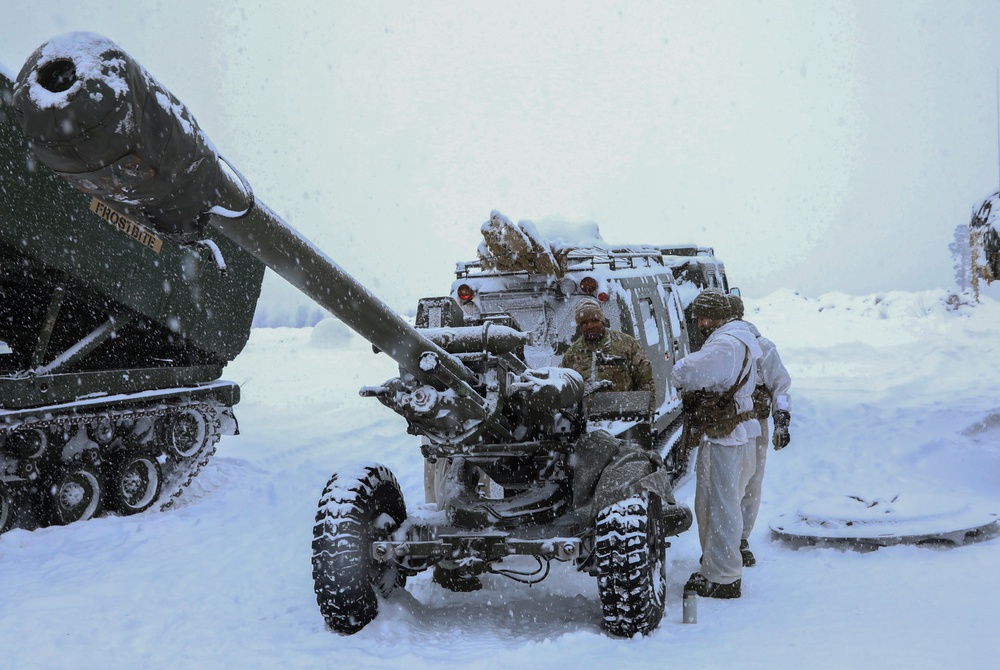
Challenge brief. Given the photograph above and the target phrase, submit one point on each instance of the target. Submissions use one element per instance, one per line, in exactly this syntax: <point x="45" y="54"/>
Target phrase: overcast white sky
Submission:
<point x="820" y="146"/>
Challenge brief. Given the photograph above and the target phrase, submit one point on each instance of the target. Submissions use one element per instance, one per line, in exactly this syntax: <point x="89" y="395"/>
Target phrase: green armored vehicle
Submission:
<point x="112" y="341"/>
<point x="532" y="461"/>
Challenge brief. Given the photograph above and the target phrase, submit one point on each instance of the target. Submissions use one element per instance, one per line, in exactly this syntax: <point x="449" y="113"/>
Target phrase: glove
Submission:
<point x="781" y="438"/>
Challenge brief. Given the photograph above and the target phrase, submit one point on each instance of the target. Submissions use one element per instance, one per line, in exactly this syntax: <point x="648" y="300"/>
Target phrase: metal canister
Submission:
<point x="689" y="608"/>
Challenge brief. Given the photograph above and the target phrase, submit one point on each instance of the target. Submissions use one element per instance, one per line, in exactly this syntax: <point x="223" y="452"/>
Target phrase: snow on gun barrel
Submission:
<point x="567" y="491"/>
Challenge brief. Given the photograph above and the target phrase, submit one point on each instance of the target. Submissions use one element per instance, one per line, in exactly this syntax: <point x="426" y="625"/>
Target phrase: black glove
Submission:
<point x="781" y="438"/>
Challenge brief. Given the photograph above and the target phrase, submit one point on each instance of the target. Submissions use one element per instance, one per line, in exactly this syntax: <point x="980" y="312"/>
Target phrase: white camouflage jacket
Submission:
<point x="771" y="373"/>
<point x="716" y="367"/>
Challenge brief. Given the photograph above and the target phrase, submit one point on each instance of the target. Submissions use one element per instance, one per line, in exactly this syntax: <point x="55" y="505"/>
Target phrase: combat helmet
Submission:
<point x="712" y="304"/>
<point x="736" y="303"/>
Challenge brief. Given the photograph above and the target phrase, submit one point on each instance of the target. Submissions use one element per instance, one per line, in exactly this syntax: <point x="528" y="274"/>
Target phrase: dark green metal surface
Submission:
<point x="225" y="392"/>
<point x="49" y="237"/>
<point x="34" y="391"/>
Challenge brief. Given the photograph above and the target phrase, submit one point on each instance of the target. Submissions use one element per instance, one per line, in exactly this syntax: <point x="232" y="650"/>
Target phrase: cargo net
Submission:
<point x="984" y="245"/>
<point x="510" y="247"/>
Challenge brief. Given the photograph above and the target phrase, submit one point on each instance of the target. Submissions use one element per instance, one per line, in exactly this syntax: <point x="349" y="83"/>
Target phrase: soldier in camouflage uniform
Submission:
<point x="601" y="353"/>
<point x="771" y="398"/>
<point x="721" y="377"/>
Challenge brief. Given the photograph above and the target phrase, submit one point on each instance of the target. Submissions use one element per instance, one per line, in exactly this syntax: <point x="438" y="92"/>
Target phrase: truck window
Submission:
<point x="649" y="325"/>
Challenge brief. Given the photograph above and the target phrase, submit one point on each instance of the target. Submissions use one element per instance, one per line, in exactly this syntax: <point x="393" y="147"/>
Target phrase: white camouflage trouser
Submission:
<point x="723" y="473"/>
<point x="751" y="499"/>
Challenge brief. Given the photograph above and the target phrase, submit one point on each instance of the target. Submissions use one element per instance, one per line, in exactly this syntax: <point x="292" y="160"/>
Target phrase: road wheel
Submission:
<point x="76" y="495"/>
<point x="187" y="432"/>
<point x="630" y="553"/>
<point x="354" y="511"/>
<point x="134" y="484"/>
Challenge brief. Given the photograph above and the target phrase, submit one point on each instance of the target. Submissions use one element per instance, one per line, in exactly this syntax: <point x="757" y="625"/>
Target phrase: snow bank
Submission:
<point x="893" y="394"/>
<point x="331" y="333"/>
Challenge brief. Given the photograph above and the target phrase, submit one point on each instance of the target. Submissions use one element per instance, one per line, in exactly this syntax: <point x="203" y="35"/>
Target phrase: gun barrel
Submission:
<point x="97" y="118"/>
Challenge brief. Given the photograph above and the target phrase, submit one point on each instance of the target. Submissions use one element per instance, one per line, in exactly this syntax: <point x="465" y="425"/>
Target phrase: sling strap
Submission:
<point x="716" y="413"/>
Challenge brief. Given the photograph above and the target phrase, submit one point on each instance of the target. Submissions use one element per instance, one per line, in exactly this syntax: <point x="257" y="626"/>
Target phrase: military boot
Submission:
<point x="707" y="589"/>
<point x="748" y="560"/>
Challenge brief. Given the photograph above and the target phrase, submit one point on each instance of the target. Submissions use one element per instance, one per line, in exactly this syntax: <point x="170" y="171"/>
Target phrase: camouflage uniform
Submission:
<point x="626" y="364"/>
<point x="771" y="373"/>
<point x="774" y="381"/>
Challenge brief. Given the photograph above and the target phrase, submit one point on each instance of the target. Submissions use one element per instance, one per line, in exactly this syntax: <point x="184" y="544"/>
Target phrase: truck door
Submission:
<point x="678" y="341"/>
<point x="653" y="337"/>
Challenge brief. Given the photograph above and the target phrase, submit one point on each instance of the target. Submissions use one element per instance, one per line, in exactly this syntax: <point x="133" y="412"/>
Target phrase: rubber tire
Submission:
<point x="353" y="512"/>
<point x="124" y="472"/>
<point x="630" y="554"/>
<point x="78" y="480"/>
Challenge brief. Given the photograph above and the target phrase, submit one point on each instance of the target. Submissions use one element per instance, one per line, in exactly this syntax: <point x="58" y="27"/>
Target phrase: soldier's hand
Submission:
<point x="781" y="438"/>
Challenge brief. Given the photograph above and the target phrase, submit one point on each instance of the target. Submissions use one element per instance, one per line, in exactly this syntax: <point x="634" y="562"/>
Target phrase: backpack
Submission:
<point x="714" y="413"/>
<point x="762" y="402"/>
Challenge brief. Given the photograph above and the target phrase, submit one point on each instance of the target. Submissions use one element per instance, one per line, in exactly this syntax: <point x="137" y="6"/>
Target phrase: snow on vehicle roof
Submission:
<point x="554" y="246"/>
<point x="569" y="233"/>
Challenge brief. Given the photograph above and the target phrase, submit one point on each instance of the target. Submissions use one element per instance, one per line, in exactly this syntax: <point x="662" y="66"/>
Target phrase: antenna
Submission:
<point x="998" y="122"/>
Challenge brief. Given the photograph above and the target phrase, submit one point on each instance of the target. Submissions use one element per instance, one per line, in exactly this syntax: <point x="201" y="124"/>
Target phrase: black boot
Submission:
<point x="748" y="560"/>
<point x="707" y="589"/>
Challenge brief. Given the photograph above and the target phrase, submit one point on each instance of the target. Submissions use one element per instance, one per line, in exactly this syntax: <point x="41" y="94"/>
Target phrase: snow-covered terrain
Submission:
<point x="894" y="394"/>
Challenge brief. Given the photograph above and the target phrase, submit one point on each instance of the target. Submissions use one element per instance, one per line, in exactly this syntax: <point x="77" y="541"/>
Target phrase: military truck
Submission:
<point x="571" y="479"/>
<point x="112" y="344"/>
<point x="644" y="291"/>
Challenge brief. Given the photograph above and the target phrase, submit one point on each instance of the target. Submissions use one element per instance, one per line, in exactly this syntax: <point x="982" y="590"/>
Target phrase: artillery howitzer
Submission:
<point x="557" y="490"/>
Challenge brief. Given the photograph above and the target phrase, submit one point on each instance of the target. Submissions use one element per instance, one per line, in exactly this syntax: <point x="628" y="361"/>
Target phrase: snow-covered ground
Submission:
<point x="892" y="395"/>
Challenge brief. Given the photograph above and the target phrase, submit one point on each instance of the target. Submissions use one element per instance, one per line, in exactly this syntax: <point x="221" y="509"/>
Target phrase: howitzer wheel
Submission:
<point x="630" y="553"/>
<point x="76" y="495"/>
<point x="135" y="481"/>
<point x="354" y="511"/>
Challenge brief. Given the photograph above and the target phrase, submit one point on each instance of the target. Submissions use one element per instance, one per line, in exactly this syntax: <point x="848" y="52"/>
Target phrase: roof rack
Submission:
<point x="582" y="258"/>
<point x="615" y="258"/>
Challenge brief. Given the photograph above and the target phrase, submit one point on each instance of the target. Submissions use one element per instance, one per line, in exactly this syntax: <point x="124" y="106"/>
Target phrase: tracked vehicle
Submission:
<point x="112" y="343"/>
<point x="533" y="463"/>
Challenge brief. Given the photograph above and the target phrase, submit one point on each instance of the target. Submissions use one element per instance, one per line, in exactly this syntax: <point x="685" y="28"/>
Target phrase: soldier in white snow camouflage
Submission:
<point x="721" y="377"/>
<point x="770" y="399"/>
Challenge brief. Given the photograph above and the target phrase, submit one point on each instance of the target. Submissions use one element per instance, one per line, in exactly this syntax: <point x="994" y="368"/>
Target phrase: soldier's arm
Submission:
<point x="574" y="360"/>
<point x="712" y="365"/>
<point x="775" y="376"/>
